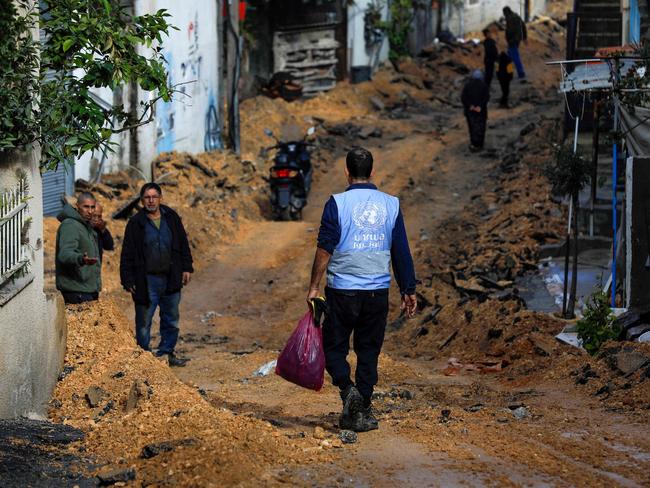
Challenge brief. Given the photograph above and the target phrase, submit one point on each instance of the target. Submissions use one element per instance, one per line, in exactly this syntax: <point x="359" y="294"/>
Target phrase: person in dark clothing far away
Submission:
<point x="504" y="75"/>
<point x="78" y="272"/>
<point x="104" y="237"/>
<point x="361" y="232"/>
<point x="490" y="56"/>
<point x="156" y="262"/>
<point x="475" y="97"/>
<point x="515" y="34"/>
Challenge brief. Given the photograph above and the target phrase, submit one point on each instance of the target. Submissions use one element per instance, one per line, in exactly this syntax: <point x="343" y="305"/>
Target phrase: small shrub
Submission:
<point x="598" y="324"/>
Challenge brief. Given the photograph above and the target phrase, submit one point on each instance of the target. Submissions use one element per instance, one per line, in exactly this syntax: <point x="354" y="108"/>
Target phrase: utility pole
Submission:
<point x="233" y="68"/>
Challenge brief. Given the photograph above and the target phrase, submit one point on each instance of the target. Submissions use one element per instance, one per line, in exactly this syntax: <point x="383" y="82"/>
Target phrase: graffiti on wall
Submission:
<point x="191" y="65"/>
<point x="212" y="138"/>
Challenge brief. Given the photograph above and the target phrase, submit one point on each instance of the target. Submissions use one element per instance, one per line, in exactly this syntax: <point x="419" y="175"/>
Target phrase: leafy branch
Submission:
<point x="85" y="45"/>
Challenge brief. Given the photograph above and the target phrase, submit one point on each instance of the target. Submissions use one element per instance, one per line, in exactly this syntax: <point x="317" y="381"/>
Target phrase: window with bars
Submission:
<point x="14" y="224"/>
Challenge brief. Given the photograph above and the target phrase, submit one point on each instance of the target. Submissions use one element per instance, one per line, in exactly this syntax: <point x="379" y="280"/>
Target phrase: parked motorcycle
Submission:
<point x="290" y="176"/>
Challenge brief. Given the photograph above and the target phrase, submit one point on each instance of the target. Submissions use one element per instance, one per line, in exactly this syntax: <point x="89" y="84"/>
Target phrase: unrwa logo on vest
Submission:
<point x="369" y="215"/>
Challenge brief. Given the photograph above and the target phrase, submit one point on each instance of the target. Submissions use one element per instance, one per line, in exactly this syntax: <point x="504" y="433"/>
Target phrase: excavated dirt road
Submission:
<point x="543" y="414"/>
<point x="252" y="295"/>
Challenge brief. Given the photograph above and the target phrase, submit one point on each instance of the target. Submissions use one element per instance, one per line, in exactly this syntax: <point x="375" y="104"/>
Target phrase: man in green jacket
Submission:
<point x="78" y="270"/>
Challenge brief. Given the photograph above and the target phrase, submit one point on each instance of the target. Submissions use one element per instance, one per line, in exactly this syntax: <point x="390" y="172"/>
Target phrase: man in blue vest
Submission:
<point x="361" y="232"/>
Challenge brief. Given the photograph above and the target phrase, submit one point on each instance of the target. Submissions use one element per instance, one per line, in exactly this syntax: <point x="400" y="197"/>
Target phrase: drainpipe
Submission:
<point x="625" y="15"/>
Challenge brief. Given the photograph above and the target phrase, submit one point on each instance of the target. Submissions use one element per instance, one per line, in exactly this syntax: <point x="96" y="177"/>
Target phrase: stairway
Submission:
<point x="596" y="24"/>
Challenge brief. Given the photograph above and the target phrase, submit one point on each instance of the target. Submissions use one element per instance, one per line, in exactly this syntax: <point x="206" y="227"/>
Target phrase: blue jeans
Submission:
<point x="513" y="52"/>
<point x="169" y="315"/>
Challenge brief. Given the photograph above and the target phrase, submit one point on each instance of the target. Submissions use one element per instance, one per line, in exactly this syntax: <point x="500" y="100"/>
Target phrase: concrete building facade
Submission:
<point x="463" y="16"/>
<point x="191" y="122"/>
<point x="32" y="323"/>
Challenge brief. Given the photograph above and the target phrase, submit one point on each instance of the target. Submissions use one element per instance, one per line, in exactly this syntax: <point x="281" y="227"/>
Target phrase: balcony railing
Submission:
<point x="13" y="226"/>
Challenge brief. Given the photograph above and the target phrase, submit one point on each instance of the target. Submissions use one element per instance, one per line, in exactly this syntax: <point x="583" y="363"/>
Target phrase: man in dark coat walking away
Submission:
<point x="78" y="271"/>
<point x="475" y="98"/>
<point x="515" y="33"/>
<point x="489" y="56"/>
<point x="362" y="232"/>
<point x="155" y="264"/>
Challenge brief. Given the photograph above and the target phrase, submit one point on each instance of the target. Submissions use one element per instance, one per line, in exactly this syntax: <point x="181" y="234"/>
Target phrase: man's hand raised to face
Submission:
<point x="409" y="305"/>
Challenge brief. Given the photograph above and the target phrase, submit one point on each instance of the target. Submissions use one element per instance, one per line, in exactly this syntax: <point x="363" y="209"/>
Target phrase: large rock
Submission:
<point x="627" y="362"/>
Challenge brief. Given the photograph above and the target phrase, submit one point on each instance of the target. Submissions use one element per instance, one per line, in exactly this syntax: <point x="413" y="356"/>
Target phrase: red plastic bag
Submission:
<point x="302" y="361"/>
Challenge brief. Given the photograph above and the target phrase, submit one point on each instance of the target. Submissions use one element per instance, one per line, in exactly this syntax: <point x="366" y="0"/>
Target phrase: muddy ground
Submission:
<point x="473" y="391"/>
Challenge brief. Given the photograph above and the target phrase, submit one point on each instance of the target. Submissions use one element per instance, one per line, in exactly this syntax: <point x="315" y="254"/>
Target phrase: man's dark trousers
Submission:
<point x="169" y="315"/>
<point x="74" y="298"/>
<point x="489" y="73"/>
<point x="362" y="313"/>
<point x="476" y="123"/>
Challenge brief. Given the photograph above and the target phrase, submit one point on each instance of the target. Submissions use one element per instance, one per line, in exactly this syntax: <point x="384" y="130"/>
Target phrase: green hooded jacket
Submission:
<point x="74" y="238"/>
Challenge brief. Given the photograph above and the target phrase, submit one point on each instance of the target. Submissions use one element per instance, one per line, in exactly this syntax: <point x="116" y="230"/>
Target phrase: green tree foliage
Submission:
<point x="18" y="78"/>
<point x="598" y="324"/>
<point x="568" y="172"/>
<point x="84" y="45"/>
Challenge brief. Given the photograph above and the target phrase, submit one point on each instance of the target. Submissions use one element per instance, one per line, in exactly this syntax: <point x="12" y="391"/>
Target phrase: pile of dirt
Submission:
<point x="471" y="307"/>
<point x="619" y="375"/>
<point x="138" y="416"/>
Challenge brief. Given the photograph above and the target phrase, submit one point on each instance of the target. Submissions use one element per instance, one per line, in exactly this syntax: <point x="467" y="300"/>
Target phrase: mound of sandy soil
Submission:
<point x="137" y="414"/>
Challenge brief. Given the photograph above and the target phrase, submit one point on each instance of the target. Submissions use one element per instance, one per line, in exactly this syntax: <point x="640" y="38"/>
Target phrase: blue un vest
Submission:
<point x="361" y="260"/>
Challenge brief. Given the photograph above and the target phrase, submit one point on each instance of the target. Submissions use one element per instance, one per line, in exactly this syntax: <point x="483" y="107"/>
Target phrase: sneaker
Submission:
<point x="364" y="421"/>
<point x="352" y="407"/>
<point x="523" y="80"/>
<point x="174" y="360"/>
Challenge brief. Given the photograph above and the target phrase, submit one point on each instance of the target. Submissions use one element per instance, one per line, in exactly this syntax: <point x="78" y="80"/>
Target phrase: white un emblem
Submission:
<point x="369" y="215"/>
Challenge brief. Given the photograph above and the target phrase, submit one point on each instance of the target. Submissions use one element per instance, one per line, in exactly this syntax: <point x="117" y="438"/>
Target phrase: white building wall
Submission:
<point x="358" y="54"/>
<point x="32" y="325"/>
<point x="475" y="15"/>
<point x="192" y="53"/>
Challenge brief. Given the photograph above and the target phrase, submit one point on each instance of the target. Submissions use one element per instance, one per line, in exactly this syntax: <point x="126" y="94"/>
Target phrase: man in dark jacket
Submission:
<point x="78" y="272"/>
<point x="475" y="97"/>
<point x="361" y="233"/>
<point x="489" y="56"/>
<point x="104" y="237"/>
<point x="155" y="264"/>
<point x="515" y="33"/>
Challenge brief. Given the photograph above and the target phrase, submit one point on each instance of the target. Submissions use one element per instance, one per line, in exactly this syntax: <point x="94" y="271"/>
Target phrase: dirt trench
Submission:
<point x="473" y="219"/>
<point x="435" y="430"/>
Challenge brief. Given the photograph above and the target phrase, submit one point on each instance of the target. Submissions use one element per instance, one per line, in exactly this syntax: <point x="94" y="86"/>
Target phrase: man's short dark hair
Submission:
<point x="359" y="163"/>
<point x="486" y="32"/>
<point x="506" y="10"/>
<point x="85" y="195"/>
<point x="150" y="186"/>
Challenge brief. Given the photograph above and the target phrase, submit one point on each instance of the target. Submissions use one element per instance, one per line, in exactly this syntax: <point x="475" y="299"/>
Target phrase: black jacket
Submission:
<point x="515" y="30"/>
<point x="491" y="52"/>
<point x="476" y="93"/>
<point x="105" y="241"/>
<point x="132" y="261"/>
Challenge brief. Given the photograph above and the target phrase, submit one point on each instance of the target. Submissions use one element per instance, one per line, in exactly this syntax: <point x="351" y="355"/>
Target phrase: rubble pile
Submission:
<point x="147" y="424"/>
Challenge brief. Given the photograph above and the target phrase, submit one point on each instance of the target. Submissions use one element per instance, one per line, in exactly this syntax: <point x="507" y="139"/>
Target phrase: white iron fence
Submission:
<point x="13" y="223"/>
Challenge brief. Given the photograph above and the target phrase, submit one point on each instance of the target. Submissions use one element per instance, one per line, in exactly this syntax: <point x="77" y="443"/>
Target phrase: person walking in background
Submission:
<point x="504" y="75"/>
<point x="515" y="34"/>
<point x="475" y="97"/>
<point x="104" y="237"/>
<point x="156" y="262"/>
<point x="490" y="55"/>
<point x="77" y="268"/>
<point x="362" y="231"/>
